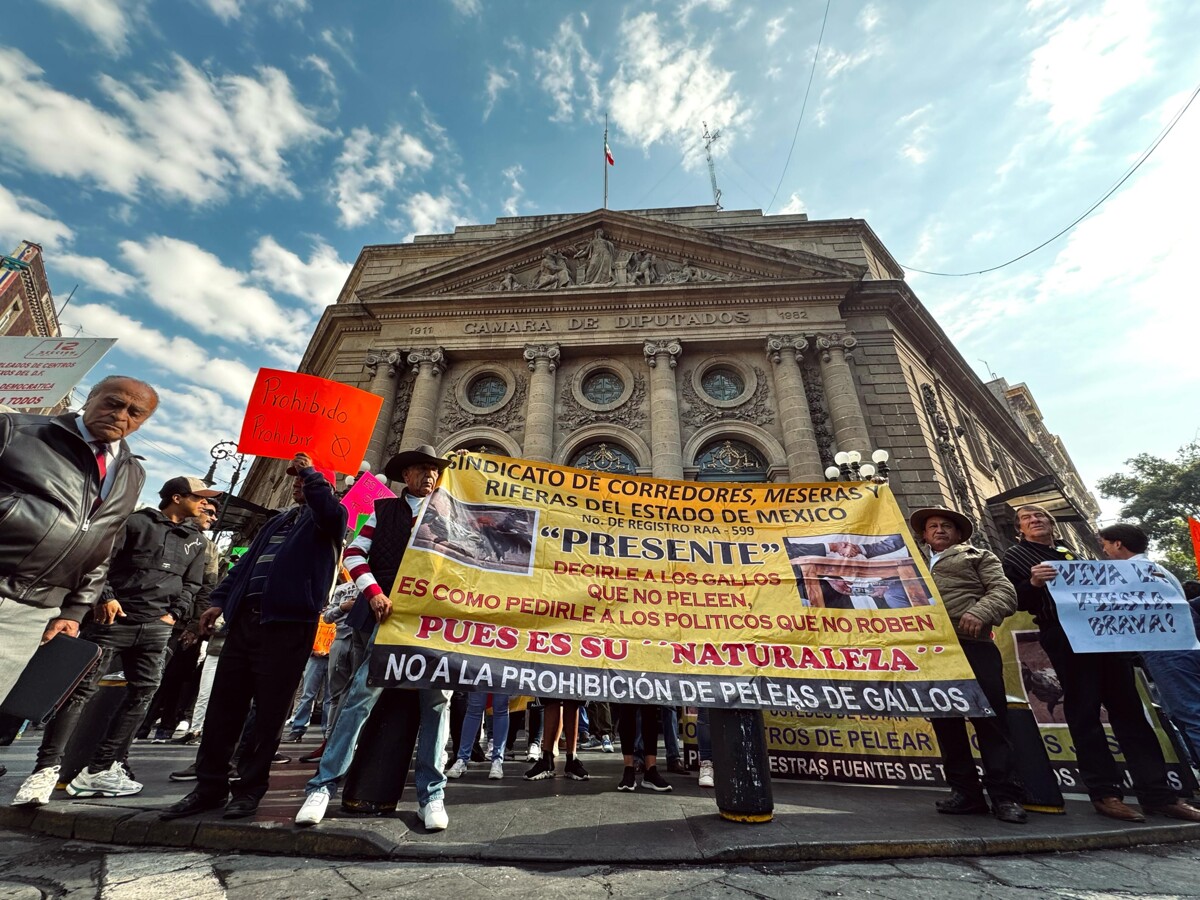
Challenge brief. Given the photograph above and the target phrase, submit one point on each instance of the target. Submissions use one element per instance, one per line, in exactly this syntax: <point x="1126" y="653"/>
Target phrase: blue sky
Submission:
<point x="206" y="171"/>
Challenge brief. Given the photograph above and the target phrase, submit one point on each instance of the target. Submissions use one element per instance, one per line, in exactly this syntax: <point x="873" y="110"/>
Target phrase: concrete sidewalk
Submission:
<point x="562" y="821"/>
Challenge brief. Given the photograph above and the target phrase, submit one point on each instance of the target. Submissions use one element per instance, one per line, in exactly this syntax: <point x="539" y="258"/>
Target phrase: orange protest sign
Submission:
<point x="326" y="632"/>
<point x="290" y="413"/>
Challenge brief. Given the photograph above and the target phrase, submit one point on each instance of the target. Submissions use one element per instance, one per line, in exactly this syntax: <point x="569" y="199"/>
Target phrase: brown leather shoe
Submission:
<point x="1115" y="809"/>
<point x="1178" y="810"/>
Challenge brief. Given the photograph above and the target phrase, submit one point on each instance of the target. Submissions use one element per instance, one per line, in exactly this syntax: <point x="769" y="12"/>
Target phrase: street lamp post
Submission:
<point x="850" y="467"/>
<point x="218" y="452"/>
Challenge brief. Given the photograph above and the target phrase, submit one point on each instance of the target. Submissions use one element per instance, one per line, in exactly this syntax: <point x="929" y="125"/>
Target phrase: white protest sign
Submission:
<point x="38" y="372"/>
<point x="1129" y="605"/>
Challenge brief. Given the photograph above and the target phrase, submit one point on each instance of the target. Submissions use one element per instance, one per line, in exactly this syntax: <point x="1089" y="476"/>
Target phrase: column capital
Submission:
<point x="844" y="341"/>
<point x="435" y="356"/>
<point x="393" y="359"/>
<point x="548" y="352"/>
<point x="670" y="348"/>
<point x="778" y="344"/>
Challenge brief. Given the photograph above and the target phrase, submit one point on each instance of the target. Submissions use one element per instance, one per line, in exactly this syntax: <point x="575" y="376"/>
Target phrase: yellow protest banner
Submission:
<point x="538" y="579"/>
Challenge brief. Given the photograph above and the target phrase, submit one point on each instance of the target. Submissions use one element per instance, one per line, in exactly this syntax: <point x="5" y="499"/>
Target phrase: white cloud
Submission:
<point x="431" y="215"/>
<point x="197" y="288"/>
<point x="370" y="167"/>
<point x="915" y="147"/>
<point x="178" y="355"/>
<point x="225" y="10"/>
<point x="794" y="205"/>
<point x="497" y="83"/>
<point x="24" y="219"/>
<point x="109" y="20"/>
<point x="869" y="17"/>
<point x="556" y="67"/>
<point x="688" y="6"/>
<point x="467" y="7"/>
<point x="193" y="140"/>
<point x="1088" y="59"/>
<point x="340" y="40"/>
<point x="97" y="274"/>
<point x="663" y="88"/>
<point x="775" y="30"/>
<point x="316" y="281"/>
<point x="512" y="204"/>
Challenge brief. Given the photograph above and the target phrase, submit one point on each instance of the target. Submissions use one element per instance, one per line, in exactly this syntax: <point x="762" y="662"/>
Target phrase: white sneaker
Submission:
<point x="497" y="770"/>
<point x="112" y="782"/>
<point x="181" y="729"/>
<point x="313" y="810"/>
<point x="37" y="788"/>
<point x="706" y="773"/>
<point x="535" y="752"/>
<point x="458" y="770"/>
<point x="434" y="816"/>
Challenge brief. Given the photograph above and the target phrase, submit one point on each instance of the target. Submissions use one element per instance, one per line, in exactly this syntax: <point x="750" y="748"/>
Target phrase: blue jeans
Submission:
<point x="434" y="728"/>
<point x="1177" y="675"/>
<point x="315" y="673"/>
<point x="670" y="732"/>
<point x="476" y="704"/>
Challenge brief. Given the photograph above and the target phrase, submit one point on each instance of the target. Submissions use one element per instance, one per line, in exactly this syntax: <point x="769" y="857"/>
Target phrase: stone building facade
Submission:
<point x="26" y="304"/>
<point x="685" y="343"/>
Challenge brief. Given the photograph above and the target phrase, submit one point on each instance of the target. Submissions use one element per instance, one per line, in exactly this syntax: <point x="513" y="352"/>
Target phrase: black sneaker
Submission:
<point x="540" y="770"/>
<point x="280" y="759"/>
<point x="575" y="771"/>
<point x="628" y="780"/>
<point x="652" y="781"/>
<point x="188" y="774"/>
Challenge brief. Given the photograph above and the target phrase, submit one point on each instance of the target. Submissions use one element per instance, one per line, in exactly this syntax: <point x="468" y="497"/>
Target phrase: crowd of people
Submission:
<point x="220" y="661"/>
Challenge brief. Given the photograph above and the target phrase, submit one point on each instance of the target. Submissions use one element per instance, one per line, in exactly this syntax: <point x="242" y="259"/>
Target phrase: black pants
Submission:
<point x="627" y="727"/>
<point x="141" y="647"/>
<point x="1090" y="680"/>
<point x="995" y="747"/>
<point x="170" y="700"/>
<point x="263" y="662"/>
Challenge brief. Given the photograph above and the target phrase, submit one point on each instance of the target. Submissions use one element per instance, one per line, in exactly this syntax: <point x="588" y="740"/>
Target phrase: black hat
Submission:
<point x="421" y="454"/>
<point x="186" y="484"/>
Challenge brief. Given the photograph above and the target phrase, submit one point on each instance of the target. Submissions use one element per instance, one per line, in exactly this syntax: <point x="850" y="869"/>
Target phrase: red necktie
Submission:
<point x="102" y="467"/>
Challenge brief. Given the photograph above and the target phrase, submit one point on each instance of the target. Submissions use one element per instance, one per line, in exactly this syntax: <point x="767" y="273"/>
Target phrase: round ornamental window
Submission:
<point x="603" y="387"/>
<point x="487" y="391"/>
<point x="723" y="383"/>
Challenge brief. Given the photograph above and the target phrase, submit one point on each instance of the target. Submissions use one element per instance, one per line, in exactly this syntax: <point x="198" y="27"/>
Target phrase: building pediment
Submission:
<point x="606" y="249"/>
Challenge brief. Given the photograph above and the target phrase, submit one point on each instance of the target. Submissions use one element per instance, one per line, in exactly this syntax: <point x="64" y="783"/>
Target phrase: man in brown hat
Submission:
<point x="977" y="598"/>
<point x="373" y="559"/>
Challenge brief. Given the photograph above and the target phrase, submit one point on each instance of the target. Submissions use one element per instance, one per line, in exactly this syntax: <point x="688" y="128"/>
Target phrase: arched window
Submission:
<point x="604" y="457"/>
<point x="730" y="461"/>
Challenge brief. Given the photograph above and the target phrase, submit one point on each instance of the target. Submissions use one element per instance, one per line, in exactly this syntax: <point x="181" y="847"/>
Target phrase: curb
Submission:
<point x="144" y="829"/>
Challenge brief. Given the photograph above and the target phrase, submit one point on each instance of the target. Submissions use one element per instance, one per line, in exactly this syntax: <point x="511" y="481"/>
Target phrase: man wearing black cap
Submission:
<point x="373" y="559"/>
<point x="977" y="597"/>
<point x="156" y="569"/>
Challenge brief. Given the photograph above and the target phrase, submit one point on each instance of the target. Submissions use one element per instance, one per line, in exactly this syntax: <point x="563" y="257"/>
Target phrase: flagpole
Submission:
<point x="604" y="160"/>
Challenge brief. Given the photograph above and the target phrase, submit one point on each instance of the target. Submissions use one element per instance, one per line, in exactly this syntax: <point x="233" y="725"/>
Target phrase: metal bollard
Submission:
<point x="1042" y="793"/>
<point x="741" y="764"/>
<point x="376" y="778"/>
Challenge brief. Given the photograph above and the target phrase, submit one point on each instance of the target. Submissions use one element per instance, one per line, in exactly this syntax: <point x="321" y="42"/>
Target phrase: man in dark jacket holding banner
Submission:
<point x="271" y="602"/>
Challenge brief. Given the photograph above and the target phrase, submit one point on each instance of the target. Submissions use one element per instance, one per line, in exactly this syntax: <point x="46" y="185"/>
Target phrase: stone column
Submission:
<point x="382" y="364"/>
<point x="845" y="412"/>
<point x="665" y="443"/>
<point x="420" y="427"/>
<point x="539" y="411"/>
<point x="799" y="438"/>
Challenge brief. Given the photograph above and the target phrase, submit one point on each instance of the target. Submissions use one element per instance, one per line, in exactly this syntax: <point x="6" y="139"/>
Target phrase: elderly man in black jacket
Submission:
<point x="67" y="484"/>
<point x="156" y="569"/>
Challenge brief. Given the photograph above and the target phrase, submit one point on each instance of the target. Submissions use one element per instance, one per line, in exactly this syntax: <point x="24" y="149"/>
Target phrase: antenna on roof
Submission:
<point x="709" y="140"/>
<point x="991" y="374"/>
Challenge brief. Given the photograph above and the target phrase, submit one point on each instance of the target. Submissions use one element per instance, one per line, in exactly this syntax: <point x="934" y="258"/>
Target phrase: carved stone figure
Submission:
<point x="641" y="268"/>
<point x="554" y="271"/>
<point x="599" y="252"/>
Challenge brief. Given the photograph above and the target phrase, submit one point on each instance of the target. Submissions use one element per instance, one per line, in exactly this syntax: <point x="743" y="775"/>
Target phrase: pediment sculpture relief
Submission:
<point x="597" y="263"/>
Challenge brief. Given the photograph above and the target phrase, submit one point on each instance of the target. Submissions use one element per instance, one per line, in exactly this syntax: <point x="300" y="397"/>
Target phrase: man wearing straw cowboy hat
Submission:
<point x="977" y="598"/>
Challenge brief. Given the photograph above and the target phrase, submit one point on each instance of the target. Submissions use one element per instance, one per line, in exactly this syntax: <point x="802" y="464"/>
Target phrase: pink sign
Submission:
<point x="360" y="499"/>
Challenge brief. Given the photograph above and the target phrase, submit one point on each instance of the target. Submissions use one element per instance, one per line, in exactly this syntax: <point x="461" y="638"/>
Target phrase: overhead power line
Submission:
<point x="1091" y="209"/>
<point x="803" y="105"/>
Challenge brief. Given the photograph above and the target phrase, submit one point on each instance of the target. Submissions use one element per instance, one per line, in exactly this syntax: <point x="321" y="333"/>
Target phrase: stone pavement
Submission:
<point x="562" y="821"/>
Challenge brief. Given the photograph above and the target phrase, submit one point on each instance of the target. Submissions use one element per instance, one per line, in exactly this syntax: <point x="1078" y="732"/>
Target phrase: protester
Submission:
<point x="1089" y="681"/>
<point x="628" y="717"/>
<point x="560" y="717"/>
<point x="345" y="655"/>
<point x="1176" y="673"/>
<point x="156" y="569"/>
<point x="978" y="598"/>
<point x="313" y="686"/>
<point x="271" y="601"/>
<point x="67" y="484"/>
<point x="374" y="557"/>
<point x="476" y="704"/>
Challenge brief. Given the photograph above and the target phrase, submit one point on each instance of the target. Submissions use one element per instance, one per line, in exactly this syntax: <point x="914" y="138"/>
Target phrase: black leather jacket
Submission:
<point x="53" y="551"/>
